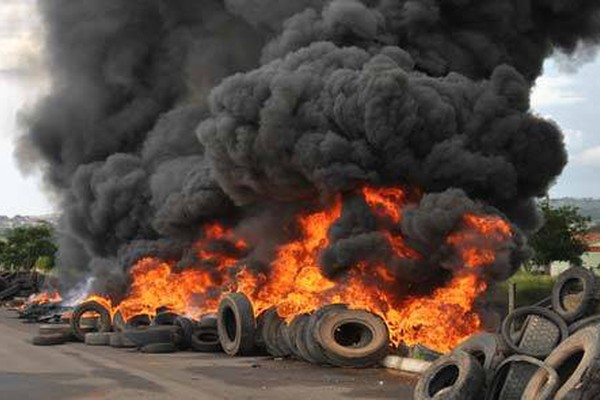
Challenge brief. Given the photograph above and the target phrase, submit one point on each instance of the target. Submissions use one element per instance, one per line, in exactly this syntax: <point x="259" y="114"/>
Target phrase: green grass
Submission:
<point x="530" y="288"/>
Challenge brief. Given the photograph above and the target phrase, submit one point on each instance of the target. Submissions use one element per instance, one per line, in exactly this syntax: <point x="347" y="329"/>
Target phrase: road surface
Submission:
<point x="76" y="371"/>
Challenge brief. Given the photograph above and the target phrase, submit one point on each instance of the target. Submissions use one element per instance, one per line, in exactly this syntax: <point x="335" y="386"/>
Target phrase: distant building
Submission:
<point x="590" y="259"/>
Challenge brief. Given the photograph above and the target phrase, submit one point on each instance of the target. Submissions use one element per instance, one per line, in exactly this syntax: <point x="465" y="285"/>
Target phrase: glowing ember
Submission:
<point x="51" y="297"/>
<point x="295" y="283"/>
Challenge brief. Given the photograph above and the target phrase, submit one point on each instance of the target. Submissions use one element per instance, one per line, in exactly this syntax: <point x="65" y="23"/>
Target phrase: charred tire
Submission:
<point x="165" y="318"/>
<point x="271" y="322"/>
<point x="543" y="335"/>
<point x="97" y="338"/>
<point x="104" y="325"/>
<point x="137" y="321"/>
<point x="589" y="297"/>
<point x="512" y="376"/>
<point x="236" y="325"/>
<point x="352" y="338"/>
<point x="55" y="329"/>
<point x="49" y="340"/>
<point x="156" y="334"/>
<point x="11" y="291"/>
<point x="187" y="331"/>
<point x="487" y="348"/>
<point x="159" y="348"/>
<point x="584" y="323"/>
<point x="206" y="340"/>
<point x="314" y="351"/>
<point x="458" y="376"/>
<point x="577" y="361"/>
<point x="258" y="334"/>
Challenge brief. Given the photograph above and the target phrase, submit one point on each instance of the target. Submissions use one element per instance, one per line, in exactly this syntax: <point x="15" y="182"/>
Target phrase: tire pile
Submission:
<point x="19" y="284"/>
<point x="543" y="352"/>
<point x="333" y="335"/>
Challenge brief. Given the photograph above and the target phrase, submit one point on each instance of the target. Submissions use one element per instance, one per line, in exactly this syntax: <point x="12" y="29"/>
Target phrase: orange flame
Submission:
<point x="296" y="284"/>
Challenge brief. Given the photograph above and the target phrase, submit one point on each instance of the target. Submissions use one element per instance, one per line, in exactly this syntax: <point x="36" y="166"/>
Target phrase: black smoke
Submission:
<point x="164" y="115"/>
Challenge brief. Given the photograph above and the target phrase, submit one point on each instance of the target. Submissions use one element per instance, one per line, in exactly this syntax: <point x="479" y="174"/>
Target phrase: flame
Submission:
<point x="296" y="283"/>
<point x="51" y="297"/>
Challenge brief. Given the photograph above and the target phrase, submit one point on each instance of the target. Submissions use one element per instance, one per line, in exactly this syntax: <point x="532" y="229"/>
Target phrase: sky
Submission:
<point x="567" y="93"/>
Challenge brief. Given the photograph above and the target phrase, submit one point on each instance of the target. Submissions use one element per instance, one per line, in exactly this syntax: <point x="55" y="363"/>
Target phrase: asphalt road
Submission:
<point x="76" y="371"/>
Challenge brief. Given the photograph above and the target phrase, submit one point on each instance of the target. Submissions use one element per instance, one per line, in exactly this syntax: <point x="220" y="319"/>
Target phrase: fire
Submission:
<point x="296" y="284"/>
<point x="51" y="297"/>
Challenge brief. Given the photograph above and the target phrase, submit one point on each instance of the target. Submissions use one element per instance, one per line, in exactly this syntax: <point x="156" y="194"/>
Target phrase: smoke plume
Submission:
<point x="166" y="115"/>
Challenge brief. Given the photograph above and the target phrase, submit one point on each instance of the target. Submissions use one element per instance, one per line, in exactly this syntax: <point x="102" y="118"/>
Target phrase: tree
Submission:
<point x="22" y="247"/>
<point x="562" y="236"/>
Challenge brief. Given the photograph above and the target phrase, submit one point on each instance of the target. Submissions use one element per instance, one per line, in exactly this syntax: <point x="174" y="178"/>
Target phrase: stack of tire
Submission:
<point x="333" y="335"/>
<point x="167" y="332"/>
<point x="540" y="353"/>
<point x="18" y="284"/>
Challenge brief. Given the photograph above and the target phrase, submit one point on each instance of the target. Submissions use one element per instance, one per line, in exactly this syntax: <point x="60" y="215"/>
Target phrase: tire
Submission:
<point x="10" y="292"/>
<point x="295" y="329"/>
<point x="584" y="323"/>
<point x="310" y="343"/>
<point x="208" y="321"/>
<point x="586" y="302"/>
<point x="164" y="318"/>
<point x="150" y="335"/>
<point x="49" y="340"/>
<point x="159" y="348"/>
<point x="137" y="321"/>
<point x="270" y="329"/>
<point x="104" y="325"/>
<point x="236" y="325"/>
<point x="187" y="331"/>
<point x="301" y="341"/>
<point x="55" y="329"/>
<point x="577" y="361"/>
<point x="543" y="331"/>
<point x="488" y="349"/>
<point x="206" y="340"/>
<point x="513" y="375"/>
<point x="458" y="376"/>
<point x="282" y="337"/>
<point x="259" y="342"/>
<point x="97" y="338"/>
<point x="118" y="340"/>
<point x="352" y="338"/>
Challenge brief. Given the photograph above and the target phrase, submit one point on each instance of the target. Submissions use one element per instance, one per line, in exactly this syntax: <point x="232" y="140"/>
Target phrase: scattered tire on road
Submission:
<point x="49" y="340"/>
<point x="118" y="340"/>
<point x="310" y="343"/>
<point x="104" y="323"/>
<point x="271" y="322"/>
<point x="236" y="325"/>
<point x="153" y="334"/>
<point x="58" y="329"/>
<point x="352" y="338"/>
<point x="458" y="376"/>
<point x="577" y="362"/>
<point x="206" y="340"/>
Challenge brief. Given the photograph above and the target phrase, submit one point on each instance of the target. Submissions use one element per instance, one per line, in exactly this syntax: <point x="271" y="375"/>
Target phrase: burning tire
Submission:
<point x="187" y="331"/>
<point x="164" y="318"/>
<point x="236" y="325"/>
<point x="206" y="340"/>
<point x="301" y="335"/>
<point x="577" y="362"/>
<point x="458" y="376"/>
<point x="137" y="321"/>
<point x="542" y="331"/>
<point x="488" y="349"/>
<point x="296" y="328"/>
<point x="150" y="335"/>
<point x="97" y="338"/>
<point x="312" y="347"/>
<point x="208" y="321"/>
<point x="104" y="324"/>
<point x="576" y="293"/>
<point x="352" y="338"/>
<point x="282" y="338"/>
<point x="50" y="340"/>
<point x="159" y="348"/>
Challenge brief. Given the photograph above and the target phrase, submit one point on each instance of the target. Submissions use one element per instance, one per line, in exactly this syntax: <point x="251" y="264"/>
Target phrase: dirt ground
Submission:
<point x="76" y="371"/>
